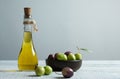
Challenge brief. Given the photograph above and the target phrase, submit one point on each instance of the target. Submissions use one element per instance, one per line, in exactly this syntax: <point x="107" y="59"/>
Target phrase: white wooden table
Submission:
<point x="89" y="70"/>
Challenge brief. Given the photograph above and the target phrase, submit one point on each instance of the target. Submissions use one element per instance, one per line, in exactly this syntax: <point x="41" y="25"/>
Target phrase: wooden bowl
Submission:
<point x="58" y="65"/>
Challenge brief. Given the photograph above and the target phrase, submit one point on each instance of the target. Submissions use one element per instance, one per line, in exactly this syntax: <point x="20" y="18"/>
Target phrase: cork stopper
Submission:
<point x="27" y="12"/>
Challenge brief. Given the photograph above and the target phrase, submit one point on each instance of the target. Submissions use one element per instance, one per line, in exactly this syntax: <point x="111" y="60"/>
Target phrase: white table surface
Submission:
<point x="89" y="70"/>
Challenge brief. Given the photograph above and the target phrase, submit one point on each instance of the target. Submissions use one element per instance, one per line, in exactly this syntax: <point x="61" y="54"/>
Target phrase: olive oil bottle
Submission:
<point x="27" y="59"/>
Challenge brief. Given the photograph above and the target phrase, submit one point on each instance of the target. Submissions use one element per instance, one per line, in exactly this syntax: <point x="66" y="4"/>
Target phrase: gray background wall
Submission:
<point x="63" y="25"/>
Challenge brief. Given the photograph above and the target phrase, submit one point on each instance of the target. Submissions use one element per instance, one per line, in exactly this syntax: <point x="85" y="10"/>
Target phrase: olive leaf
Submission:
<point x="84" y="49"/>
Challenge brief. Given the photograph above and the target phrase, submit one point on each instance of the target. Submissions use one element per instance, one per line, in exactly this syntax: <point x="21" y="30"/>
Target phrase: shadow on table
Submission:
<point x="32" y="76"/>
<point x="59" y="78"/>
<point x="54" y="77"/>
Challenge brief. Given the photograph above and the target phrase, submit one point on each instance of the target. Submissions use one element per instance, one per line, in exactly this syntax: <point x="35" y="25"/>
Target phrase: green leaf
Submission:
<point x="84" y="49"/>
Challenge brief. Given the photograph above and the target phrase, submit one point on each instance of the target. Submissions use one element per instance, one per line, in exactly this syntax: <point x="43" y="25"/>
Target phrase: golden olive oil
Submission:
<point x="27" y="59"/>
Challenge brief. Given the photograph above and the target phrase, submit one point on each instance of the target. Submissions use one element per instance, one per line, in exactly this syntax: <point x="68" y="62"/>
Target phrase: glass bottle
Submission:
<point x="27" y="59"/>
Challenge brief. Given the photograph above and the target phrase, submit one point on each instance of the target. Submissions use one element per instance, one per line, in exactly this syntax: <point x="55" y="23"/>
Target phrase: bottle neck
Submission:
<point x="28" y="21"/>
<point x="27" y="31"/>
<point x="27" y="26"/>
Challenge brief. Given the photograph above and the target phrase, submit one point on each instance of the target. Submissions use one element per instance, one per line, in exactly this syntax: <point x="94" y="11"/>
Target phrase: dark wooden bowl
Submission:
<point x="58" y="65"/>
